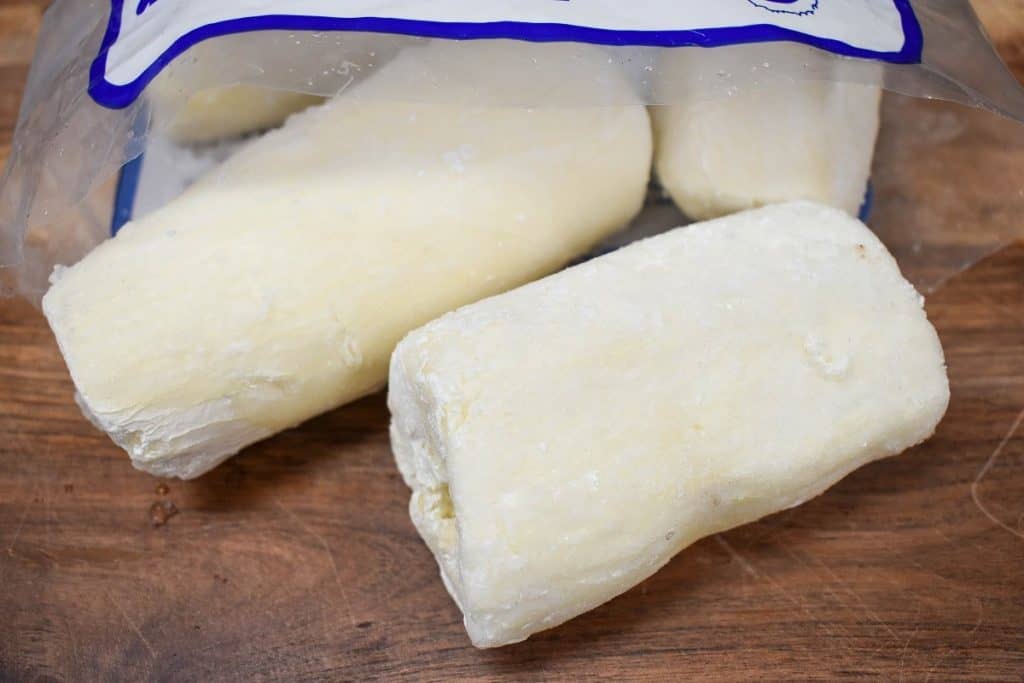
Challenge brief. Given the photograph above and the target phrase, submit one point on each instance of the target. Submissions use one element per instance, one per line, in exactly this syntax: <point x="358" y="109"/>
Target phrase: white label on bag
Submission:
<point x="145" y="35"/>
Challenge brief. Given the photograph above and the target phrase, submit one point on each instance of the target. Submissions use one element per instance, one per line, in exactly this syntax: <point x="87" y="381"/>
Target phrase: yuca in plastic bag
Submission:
<point x="808" y="139"/>
<point x="329" y="248"/>
<point x="303" y="191"/>
<point x="190" y="72"/>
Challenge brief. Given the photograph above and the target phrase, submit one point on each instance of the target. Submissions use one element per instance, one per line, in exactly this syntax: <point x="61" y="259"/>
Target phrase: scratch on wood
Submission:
<point x="935" y="287"/>
<point x="966" y="539"/>
<point x="12" y="430"/>
<point x="906" y="646"/>
<point x="74" y="646"/>
<point x="17" y="530"/>
<point x="747" y="567"/>
<point x="931" y="572"/>
<point x="800" y="604"/>
<point x="803" y="563"/>
<point x="330" y="557"/>
<point x="856" y="596"/>
<point x="949" y="652"/>
<point x="976" y="497"/>
<point x="828" y="588"/>
<point x="134" y="627"/>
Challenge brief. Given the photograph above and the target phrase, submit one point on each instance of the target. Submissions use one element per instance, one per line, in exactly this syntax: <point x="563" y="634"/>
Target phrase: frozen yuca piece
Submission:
<point x="191" y="103"/>
<point x="761" y="140"/>
<point x="225" y="111"/>
<point x="564" y="440"/>
<point x="276" y="287"/>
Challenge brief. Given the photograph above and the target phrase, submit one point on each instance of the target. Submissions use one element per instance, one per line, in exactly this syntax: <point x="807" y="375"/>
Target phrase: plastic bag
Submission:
<point x="110" y="80"/>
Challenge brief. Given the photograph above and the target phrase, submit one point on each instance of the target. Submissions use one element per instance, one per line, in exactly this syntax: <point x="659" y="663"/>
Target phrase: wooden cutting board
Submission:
<point x="296" y="560"/>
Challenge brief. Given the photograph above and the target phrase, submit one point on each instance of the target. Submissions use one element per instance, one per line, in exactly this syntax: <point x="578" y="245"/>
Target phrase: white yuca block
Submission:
<point x="564" y="440"/>
<point x="761" y="139"/>
<point x="276" y="287"/>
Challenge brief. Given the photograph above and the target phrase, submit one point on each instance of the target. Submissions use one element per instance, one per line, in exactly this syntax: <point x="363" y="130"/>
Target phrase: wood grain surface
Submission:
<point x="297" y="561"/>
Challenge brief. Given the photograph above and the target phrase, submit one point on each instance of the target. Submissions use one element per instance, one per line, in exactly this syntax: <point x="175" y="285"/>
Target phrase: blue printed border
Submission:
<point x="117" y="96"/>
<point x="126" y="193"/>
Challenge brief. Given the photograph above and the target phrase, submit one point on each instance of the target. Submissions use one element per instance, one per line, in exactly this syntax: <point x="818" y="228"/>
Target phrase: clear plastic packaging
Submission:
<point x="58" y="192"/>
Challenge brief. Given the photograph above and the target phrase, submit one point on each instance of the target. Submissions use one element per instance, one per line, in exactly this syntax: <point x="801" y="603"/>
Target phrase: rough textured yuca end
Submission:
<point x="566" y="439"/>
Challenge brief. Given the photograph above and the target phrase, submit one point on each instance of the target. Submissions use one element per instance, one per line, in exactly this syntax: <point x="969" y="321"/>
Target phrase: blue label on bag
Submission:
<point x="143" y="36"/>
